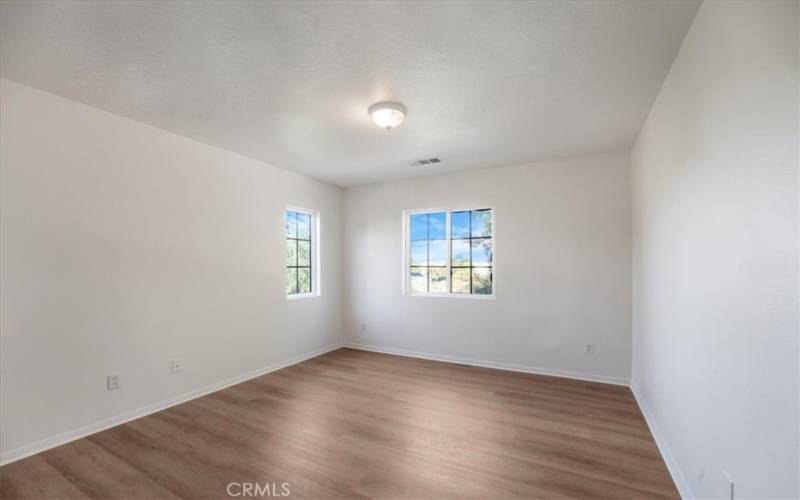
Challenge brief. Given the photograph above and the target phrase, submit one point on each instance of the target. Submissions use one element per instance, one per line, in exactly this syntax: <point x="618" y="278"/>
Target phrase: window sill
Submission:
<point x="298" y="296"/>
<point x="468" y="296"/>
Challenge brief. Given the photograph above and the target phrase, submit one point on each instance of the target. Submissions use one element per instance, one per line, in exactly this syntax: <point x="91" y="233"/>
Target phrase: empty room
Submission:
<point x="400" y="249"/>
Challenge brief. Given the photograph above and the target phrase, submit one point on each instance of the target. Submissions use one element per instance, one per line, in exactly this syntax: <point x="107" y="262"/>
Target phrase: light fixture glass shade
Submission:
<point x="387" y="114"/>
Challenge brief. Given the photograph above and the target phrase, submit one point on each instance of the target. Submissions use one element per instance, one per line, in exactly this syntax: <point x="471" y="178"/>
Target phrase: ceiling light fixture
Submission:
<point x="387" y="114"/>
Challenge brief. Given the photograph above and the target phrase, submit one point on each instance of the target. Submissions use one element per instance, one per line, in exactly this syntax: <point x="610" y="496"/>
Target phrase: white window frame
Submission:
<point x="316" y="257"/>
<point x="406" y="281"/>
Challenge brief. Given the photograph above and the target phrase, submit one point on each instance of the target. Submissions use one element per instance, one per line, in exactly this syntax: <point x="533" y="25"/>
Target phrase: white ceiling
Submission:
<point x="486" y="83"/>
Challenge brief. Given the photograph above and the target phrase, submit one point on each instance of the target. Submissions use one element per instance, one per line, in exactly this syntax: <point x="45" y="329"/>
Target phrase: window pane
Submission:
<point x="419" y="279"/>
<point x="460" y="253"/>
<point x="481" y="223"/>
<point x="468" y="250"/>
<point x="291" y="280"/>
<point x="437" y="252"/>
<point x="459" y="281"/>
<point x="419" y="227"/>
<point x="438" y="279"/>
<point x="419" y="253"/>
<point x="303" y="253"/>
<point x="304" y="226"/>
<point x="436" y="226"/>
<point x="482" y="252"/>
<point x="291" y="224"/>
<point x="304" y="277"/>
<point x="459" y="225"/>
<point x="291" y="252"/>
<point x="482" y="281"/>
<point x="299" y="258"/>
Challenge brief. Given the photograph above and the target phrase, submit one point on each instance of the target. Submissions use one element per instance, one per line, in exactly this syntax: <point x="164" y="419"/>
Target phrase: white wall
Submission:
<point x="124" y="246"/>
<point x="715" y="352"/>
<point x="562" y="236"/>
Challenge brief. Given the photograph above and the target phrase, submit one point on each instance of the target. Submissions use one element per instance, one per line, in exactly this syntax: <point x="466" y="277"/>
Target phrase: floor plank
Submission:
<point x="356" y="424"/>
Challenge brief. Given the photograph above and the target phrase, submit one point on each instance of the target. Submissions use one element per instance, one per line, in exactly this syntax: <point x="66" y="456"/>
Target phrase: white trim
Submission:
<point x="101" y="425"/>
<point x="316" y="254"/>
<point x="674" y="469"/>
<point x="590" y="377"/>
<point x="107" y="423"/>
<point x="471" y="296"/>
<point x="302" y="296"/>
<point x="406" y="253"/>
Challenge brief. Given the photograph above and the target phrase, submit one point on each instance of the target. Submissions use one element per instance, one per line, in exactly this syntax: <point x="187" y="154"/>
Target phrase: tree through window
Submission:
<point x="450" y="252"/>
<point x="299" y="253"/>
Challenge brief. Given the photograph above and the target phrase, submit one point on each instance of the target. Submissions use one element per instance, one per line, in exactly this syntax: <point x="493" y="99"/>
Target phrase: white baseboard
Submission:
<point x="606" y="379"/>
<point x="666" y="453"/>
<point x="66" y="437"/>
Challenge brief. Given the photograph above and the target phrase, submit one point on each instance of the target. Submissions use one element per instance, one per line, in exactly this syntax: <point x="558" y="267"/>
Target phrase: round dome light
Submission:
<point x="387" y="114"/>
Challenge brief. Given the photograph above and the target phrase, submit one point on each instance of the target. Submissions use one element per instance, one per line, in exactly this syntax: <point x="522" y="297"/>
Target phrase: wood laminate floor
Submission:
<point x="356" y="424"/>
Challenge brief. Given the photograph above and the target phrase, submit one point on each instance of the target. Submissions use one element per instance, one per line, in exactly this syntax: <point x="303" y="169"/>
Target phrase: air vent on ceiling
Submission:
<point x="426" y="161"/>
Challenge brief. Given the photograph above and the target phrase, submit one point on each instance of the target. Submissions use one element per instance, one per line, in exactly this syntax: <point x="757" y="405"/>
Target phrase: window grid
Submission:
<point x="428" y="241"/>
<point x="471" y="267"/>
<point x="298" y="267"/>
<point x="296" y="241"/>
<point x="470" y="239"/>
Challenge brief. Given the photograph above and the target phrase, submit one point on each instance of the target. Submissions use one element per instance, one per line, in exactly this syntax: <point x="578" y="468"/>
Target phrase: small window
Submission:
<point x="302" y="278"/>
<point x="450" y="253"/>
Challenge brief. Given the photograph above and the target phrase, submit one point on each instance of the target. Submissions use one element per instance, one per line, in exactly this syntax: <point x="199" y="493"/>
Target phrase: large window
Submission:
<point x="449" y="252"/>
<point x="301" y="254"/>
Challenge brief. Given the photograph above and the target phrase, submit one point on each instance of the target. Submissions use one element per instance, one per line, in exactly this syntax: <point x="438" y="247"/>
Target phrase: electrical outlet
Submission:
<point x="588" y="348"/>
<point x="363" y="327"/>
<point x="177" y="365"/>
<point x="112" y="382"/>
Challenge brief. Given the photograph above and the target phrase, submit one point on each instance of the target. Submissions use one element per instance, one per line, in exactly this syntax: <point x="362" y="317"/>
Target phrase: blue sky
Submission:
<point x="429" y="246"/>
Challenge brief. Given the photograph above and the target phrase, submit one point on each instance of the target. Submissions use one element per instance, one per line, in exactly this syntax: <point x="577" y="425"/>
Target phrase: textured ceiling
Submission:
<point x="486" y="83"/>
